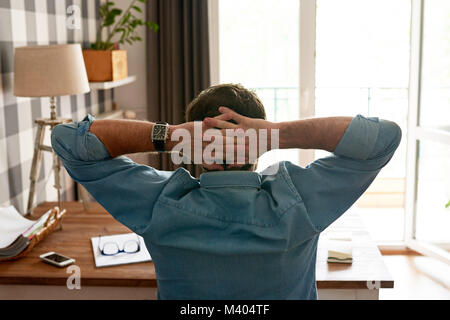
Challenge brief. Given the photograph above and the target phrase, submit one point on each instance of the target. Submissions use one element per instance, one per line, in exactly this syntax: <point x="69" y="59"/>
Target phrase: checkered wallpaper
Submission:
<point x="38" y="22"/>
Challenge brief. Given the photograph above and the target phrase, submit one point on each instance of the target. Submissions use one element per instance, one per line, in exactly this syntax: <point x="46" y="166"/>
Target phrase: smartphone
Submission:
<point x="56" y="259"/>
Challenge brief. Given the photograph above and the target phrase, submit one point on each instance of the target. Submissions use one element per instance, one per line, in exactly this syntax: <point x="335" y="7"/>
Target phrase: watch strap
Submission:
<point x="159" y="145"/>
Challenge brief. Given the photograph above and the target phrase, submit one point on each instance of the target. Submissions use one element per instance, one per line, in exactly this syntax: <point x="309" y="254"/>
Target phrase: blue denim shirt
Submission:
<point x="231" y="235"/>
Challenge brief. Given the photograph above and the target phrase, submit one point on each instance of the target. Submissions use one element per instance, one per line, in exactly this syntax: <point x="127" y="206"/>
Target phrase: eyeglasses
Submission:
<point x="112" y="248"/>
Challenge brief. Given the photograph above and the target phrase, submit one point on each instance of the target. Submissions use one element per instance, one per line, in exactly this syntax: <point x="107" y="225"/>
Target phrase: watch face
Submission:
<point x="159" y="132"/>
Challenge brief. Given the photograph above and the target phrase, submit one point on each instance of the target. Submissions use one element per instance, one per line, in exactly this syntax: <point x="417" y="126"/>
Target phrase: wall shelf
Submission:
<point x="111" y="84"/>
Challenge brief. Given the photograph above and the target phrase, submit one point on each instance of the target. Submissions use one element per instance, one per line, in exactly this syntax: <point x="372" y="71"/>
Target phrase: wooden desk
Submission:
<point x="30" y="278"/>
<point x="364" y="277"/>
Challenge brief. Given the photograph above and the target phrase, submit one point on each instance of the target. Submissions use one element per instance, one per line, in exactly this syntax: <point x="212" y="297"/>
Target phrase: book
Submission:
<point x="121" y="258"/>
<point x="340" y="251"/>
<point x="12" y="225"/>
<point x="17" y="231"/>
<point x="20" y="244"/>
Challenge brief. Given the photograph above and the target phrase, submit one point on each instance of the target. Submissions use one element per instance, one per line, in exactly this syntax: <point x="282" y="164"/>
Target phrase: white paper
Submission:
<point x="121" y="258"/>
<point x="38" y="225"/>
<point x="12" y="225"/>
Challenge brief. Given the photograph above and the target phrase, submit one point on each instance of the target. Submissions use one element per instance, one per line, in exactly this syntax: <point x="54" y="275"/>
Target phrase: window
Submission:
<point x="428" y="179"/>
<point x="362" y="67"/>
<point x="383" y="58"/>
<point x="259" y="48"/>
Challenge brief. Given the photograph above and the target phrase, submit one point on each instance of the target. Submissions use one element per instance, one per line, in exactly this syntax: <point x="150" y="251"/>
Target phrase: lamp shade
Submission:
<point x="49" y="71"/>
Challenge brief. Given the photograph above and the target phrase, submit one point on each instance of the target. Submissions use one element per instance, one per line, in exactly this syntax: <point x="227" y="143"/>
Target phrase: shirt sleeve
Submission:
<point x="127" y="190"/>
<point x="329" y="186"/>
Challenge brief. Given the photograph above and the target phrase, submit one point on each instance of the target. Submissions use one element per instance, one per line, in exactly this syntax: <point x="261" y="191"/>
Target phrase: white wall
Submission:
<point x="134" y="96"/>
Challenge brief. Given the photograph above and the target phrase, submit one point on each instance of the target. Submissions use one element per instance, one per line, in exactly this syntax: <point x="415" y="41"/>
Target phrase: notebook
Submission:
<point x="122" y="258"/>
<point x="340" y="248"/>
<point x="12" y="225"/>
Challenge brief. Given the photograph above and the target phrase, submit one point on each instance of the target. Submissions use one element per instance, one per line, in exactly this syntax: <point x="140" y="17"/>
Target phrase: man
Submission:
<point x="232" y="234"/>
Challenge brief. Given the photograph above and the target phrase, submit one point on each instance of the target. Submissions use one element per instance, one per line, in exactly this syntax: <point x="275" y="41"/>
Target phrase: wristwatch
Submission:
<point x="160" y="133"/>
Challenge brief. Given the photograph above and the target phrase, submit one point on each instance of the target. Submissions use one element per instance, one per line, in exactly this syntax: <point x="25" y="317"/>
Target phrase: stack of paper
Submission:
<point x="12" y="250"/>
<point x="12" y="225"/>
<point x="340" y="248"/>
<point x="16" y="231"/>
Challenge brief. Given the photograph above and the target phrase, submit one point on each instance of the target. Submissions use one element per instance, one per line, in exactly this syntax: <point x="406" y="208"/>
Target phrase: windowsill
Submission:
<point x="395" y="248"/>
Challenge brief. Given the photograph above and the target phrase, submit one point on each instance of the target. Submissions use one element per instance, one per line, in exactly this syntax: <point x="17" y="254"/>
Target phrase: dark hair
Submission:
<point x="233" y="96"/>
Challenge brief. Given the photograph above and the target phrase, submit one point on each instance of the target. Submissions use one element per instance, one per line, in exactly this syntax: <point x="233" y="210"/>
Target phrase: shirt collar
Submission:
<point x="230" y="178"/>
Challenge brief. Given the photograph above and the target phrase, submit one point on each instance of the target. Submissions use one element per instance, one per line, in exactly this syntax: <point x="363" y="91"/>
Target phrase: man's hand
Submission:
<point x="199" y="143"/>
<point x="187" y="139"/>
<point x="242" y="122"/>
<point x="250" y="136"/>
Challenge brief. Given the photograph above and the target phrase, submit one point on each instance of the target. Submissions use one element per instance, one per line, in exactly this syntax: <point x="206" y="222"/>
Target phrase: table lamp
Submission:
<point x="48" y="71"/>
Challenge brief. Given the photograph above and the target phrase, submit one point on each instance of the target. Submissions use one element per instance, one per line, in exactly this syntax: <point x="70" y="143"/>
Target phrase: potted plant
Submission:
<point x="103" y="61"/>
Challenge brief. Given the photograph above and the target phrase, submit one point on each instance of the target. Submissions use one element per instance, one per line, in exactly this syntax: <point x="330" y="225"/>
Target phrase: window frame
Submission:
<point x="416" y="133"/>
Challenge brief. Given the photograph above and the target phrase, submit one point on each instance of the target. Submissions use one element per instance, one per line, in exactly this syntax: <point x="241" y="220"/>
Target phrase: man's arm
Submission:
<point x="318" y="133"/>
<point x="127" y="190"/>
<point x="329" y="186"/>
<point x="127" y="136"/>
<point x="92" y="153"/>
<point x="357" y="138"/>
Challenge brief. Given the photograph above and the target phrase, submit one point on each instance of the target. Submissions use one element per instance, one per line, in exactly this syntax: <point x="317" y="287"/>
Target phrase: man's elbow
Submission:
<point x="61" y="137"/>
<point x="394" y="133"/>
<point x="389" y="138"/>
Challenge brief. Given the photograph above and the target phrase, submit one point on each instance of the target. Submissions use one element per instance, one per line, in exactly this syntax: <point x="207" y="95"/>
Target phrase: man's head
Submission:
<point x="233" y="96"/>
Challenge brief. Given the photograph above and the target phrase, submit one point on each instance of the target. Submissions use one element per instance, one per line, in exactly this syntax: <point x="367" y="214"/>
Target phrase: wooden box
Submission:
<point x="105" y="65"/>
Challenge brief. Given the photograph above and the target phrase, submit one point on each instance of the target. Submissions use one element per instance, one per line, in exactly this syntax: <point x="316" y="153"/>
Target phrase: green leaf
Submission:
<point x="98" y="45"/>
<point x="109" y="45"/>
<point x="124" y="33"/>
<point x="143" y="1"/>
<point x="103" y="11"/>
<point x="152" y="25"/>
<point x="137" y="9"/>
<point x="111" y="17"/>
<point x="448" y="204"/>
<point x="126" y="18"/>
<point x="116" y="12"/>
<point x="109" y="21"/>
